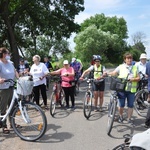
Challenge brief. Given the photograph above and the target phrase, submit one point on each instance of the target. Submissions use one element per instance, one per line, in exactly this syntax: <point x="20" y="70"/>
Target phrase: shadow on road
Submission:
<point x="53" y="136"/>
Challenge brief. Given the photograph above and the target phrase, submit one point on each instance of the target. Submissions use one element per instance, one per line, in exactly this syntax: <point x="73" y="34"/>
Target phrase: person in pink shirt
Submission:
<point x="68" y="83"/>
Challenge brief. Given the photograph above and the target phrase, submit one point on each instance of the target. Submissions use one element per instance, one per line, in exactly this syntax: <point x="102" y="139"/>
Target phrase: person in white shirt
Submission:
<point x="39" y="71"/>
<point x="141" y="65"/>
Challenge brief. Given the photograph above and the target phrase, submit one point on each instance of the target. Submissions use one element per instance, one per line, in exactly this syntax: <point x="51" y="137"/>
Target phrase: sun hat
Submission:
<point x="143" y="56"/>
<point x="73" y="59"/>
<point x="65" y="62"/>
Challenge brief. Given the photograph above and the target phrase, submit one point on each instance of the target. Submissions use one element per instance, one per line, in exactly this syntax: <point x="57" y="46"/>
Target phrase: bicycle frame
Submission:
<point x="23" y="111"/>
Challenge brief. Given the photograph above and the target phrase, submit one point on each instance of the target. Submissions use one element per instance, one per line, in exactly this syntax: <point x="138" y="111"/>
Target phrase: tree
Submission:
<point x="20" y="19"/>
<point x="138" y="42"/>
<point x="104" y="36"/>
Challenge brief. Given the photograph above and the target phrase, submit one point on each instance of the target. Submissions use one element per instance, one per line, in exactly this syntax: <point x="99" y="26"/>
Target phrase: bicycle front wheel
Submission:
<point x="111" y="115"/>
<point x="62" y="98"/>
<point x="33" y="125"/>
<point x="140" y="107"/>
<point x="53" y="104"/>
<point x="87" y="106"/>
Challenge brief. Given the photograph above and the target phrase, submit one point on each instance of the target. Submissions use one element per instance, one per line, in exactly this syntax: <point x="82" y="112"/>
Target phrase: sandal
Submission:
<point x="6" y="131"/>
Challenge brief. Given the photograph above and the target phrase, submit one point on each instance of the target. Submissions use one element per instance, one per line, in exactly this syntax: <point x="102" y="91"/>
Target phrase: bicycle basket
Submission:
<point x="117" y="84"/>
<point x="24" y="86"/>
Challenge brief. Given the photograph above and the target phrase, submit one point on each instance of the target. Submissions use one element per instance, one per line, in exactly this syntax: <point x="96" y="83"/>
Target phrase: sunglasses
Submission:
<point x="97" y="61"/>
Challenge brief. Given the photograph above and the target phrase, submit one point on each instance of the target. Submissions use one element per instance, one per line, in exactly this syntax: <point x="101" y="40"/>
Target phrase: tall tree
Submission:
<point x="102" y="35"/>
<point x="22" y="18"/>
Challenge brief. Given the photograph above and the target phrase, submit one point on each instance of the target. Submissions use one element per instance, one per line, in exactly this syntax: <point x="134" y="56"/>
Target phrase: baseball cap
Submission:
<point x="143" y="56"/>
<point x="65" y="62"/>
<point x="73" y="59"/>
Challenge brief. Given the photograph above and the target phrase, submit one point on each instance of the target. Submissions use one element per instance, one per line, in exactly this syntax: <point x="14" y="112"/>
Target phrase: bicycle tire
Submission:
<point x="62" y="98"/>
<point x="122" y="147"/>
<point x="36" y="124"/>
<point x="52" y="104"/>
<point x="139" y="105"/>
<point x="87" y="105"/>
<point x="111" y="116"/>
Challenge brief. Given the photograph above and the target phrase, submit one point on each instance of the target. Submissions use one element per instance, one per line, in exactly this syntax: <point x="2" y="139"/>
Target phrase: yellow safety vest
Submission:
<point x="123" y="73"/>
<point x="98" y="71"/>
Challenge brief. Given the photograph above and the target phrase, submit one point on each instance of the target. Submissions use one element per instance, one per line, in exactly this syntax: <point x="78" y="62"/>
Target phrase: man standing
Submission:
<point x="141" y="65"/>
<point x="49" y="67"/>
<point x="147" y="121"/>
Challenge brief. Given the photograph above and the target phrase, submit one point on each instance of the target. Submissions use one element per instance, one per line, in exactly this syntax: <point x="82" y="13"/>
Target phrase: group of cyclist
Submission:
<point x="68" y="73"/>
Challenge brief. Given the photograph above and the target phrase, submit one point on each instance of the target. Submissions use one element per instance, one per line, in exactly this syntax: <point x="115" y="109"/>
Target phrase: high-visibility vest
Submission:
<point x="98" y="71"/>
<point x="123" y="73"/>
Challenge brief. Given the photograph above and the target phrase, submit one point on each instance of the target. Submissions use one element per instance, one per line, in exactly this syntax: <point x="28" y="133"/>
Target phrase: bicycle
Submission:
<point x="125" y="145"/>
<point x="57" y="96"/>
<point x="29" y="116"/>
<point x="115" y="85"/>
<point x="87" y="104"/>
<point x="76" y="89"/>
<point x="141" y="96"/>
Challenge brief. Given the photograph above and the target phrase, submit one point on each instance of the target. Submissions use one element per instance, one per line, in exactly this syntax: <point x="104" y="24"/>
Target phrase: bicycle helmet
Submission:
<point x="97" y="57"/>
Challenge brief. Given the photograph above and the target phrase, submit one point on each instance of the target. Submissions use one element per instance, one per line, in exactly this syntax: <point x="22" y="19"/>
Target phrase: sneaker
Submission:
<point x="101" y="109"/>
<point x="46" y="108"/>
<point x="147" y="103"/>
<point x="146" y="126"/>
<point x="66" y="107"/>
<point x="96" y="109"/>
<point x="120" y="120"/>
<point x="130" y="122"/>
<point x="72" y="108"/>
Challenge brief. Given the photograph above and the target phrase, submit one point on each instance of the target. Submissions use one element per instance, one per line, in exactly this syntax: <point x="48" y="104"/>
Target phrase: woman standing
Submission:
<point x="67" y="75"/>
<point x="7" y="71"/>
<point x="130" y="72"/>
<point x="98" y="73"/>
<point x="38" y="71"/>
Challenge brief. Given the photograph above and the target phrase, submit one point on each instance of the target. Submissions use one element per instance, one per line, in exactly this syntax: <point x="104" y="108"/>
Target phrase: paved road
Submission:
<point x="69" y="130"/>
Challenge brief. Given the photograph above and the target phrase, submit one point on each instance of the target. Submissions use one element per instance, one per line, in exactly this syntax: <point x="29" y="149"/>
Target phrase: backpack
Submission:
<point x="91" y="74"/>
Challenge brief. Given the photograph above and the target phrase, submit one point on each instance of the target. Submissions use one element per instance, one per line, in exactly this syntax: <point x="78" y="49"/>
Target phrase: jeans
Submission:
<point x="122" y="96"/>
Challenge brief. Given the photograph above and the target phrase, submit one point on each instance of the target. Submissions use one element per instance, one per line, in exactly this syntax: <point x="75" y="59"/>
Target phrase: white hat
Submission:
<point x="143" y="56"/>
<point x="73" y="59"/>
<point x="65" y="62"/>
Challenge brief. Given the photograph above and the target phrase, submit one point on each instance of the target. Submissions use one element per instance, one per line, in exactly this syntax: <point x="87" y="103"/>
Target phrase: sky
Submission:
<point x="135" y="12"/>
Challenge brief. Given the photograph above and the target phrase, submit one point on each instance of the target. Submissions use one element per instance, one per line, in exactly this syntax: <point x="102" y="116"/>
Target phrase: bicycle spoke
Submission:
<point x="33" y="126"/>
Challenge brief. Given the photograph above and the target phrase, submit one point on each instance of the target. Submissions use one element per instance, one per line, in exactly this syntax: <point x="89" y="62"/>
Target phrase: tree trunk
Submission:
<point x="13" y="44"/>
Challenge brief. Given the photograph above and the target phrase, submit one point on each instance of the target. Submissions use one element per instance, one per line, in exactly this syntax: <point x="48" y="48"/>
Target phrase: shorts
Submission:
<point x="122" y="96"/>
<point x="100" y="87"/>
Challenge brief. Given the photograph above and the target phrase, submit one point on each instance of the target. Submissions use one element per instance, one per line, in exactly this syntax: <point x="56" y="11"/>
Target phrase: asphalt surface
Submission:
<point x="70" y="130"/>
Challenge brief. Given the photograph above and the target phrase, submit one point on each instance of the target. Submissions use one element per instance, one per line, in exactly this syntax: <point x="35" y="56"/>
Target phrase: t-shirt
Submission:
<point x="48" y="65"/>
<point x="38" y="71"/>
<point x="66" y="79"/>
<point x="21" y="68"/>
<point x="7" y="71"/>
<point x="141" y="67"/>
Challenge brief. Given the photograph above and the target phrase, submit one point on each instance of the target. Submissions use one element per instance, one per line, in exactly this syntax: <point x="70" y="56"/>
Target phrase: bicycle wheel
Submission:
<point x="33" y="125"/>
<point x="122" y="147"/>
<point x="62" y="98"/>
<point x="140" y="107"/>
<point x="111" y="115"/>
<point x="52" y="104"/>
<point x="87" y="105"/>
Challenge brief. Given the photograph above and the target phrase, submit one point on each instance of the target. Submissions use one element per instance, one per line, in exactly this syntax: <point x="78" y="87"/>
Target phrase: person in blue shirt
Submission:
<point x="147" y="121"/>
<point x="49" y="67"/>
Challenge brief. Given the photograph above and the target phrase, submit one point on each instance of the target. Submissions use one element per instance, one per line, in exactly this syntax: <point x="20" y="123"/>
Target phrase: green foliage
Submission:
<point x="22" y="21"/>
<point x="104" y="36"/>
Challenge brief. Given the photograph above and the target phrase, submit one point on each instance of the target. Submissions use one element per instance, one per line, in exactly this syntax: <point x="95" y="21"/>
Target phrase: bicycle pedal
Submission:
<point x="18" y="113"/>
<point x="40" y="126"/>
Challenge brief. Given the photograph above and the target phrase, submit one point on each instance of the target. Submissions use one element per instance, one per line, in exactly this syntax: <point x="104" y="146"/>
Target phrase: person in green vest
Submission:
<point x="130" y="72"/>
<point x="98" y="71"/>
